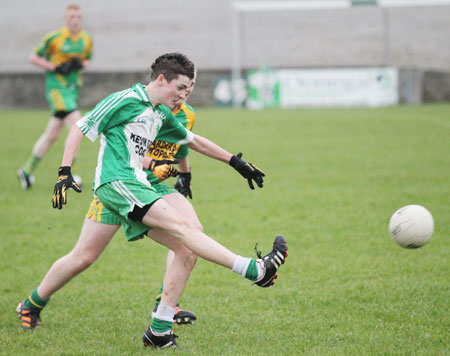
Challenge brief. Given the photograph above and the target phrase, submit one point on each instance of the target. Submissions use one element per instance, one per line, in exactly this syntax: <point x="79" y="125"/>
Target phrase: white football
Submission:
<point x="411" y="226"/>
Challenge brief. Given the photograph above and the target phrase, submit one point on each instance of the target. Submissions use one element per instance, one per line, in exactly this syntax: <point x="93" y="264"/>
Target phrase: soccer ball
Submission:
<point x="411" y="226"/>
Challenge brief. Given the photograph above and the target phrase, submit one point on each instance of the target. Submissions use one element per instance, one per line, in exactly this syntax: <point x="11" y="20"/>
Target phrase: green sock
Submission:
<point x="252" y="271"/>
<point x="34" y="301"/>
<point x="31" y="164"/>
<point x="161" y="326"/>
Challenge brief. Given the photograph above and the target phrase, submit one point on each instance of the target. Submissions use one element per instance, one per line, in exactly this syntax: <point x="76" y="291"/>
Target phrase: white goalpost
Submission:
<point x="240" y="7"/>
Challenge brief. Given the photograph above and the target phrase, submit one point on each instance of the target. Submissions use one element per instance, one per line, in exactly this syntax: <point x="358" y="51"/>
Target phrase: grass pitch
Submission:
<point x="334" y="177"/>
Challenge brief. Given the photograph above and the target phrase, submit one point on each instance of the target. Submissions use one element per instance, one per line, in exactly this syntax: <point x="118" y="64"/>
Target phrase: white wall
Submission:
<point x="128" y="35"/>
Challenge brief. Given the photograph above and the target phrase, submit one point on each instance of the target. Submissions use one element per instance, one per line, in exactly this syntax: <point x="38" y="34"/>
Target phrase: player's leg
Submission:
<point x="161" y="215"/>
<point x="180" y="260"/>
<point x="49" y="136"/>
<point x="93" y="240"/>
<point x="178" y="272"/>
<point x="159" y="333"/>
<point x="140" y="207"/>
<point x="184" y="207"/>
<point x="173" y="229"/>
<point x="63" y="103"/>
<point x="72" y="118"/>
<point x="39" y="150"/>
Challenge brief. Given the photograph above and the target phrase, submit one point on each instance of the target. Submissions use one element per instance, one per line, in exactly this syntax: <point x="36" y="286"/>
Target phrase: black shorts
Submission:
<point x="62" y="114"/>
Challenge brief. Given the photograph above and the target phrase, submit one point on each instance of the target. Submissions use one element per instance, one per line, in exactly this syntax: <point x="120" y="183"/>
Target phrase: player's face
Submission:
<point x="175" y="91"/>
<point x="73" y="20"/>
<point x="188" y="91"/>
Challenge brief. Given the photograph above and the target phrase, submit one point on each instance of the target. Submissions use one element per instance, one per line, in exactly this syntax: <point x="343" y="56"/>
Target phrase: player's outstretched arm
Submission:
<point x="245" y="169"/>
<point x="209" y="148"/>
<point x="65" y="180"/>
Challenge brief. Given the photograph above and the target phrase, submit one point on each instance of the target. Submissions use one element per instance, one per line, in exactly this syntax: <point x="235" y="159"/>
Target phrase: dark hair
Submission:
<point x="171" y="65"/>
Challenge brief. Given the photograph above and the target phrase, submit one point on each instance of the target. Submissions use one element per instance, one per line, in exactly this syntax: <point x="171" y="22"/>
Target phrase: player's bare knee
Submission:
<point x="192" y="260"/>
<point x="184" y="227"/>
<point x="186" y="255"/>
<point x="51" y="137"/>
<point x="83" y="261"/>
<point x="86" y="261"/>
<point x="196" y="223"/>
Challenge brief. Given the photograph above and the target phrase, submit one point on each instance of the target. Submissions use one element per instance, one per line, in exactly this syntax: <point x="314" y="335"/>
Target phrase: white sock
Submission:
<point x="261" y="269"/>
<point x="241" y="264"/>
<point x="165" y="313"/>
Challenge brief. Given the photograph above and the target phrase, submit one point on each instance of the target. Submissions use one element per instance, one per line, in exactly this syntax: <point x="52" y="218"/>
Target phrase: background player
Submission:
<point x="63" y="54"/>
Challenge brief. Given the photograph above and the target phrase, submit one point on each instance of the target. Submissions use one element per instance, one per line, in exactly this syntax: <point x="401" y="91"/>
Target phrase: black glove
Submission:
<point x="76" y="63"/>
<point x="67" y="67"/>
<point x="64" y="182"/>
<point x="183" y="184"/>
<point x="163" y="169"/>
<point x="247" y="170"/>
<point x="64" y="68"/>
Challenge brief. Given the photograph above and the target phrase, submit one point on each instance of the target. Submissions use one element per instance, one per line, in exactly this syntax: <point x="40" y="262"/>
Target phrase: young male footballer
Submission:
<point x="177" y="198"/>
<point x="129" y="121"/>
<point x="63" y="54"/>
<point x="157" y="166"/>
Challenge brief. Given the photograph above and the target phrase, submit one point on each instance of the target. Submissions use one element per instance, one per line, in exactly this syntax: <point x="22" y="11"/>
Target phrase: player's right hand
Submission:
<point x="64" y="182"/>
<point x="163" y="169"/>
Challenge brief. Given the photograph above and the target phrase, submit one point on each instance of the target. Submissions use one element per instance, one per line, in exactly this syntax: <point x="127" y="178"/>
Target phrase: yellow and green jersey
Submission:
<point x="162" y="150"/>
<point x="59" y="47"/>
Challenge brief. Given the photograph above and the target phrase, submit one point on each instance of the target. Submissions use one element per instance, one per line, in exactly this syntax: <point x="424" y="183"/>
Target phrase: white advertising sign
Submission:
<point x="338" y="87"/>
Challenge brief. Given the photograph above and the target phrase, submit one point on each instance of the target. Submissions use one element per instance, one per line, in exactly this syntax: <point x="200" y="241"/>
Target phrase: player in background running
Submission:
<point x="63" y="54"/>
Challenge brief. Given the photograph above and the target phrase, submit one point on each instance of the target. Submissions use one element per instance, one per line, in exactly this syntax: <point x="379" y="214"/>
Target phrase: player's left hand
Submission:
<point x="163" y="169"/>
<point x="64" y="182"/>
<point x="247" y="170"/>
<point x="76" y="63"/>
<point x="183" y="184"/>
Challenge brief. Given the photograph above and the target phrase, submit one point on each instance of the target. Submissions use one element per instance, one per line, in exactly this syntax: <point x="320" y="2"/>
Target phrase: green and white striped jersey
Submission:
<point x="129" y="123"/>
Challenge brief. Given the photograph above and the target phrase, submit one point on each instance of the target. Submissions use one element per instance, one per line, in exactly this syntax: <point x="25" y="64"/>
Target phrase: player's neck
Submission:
<point x="153" y="95"/>
<point x="73" y="32"/>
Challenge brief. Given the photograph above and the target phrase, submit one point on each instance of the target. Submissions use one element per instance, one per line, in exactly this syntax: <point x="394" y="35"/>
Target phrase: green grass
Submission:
<point x="334" y="177"/>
